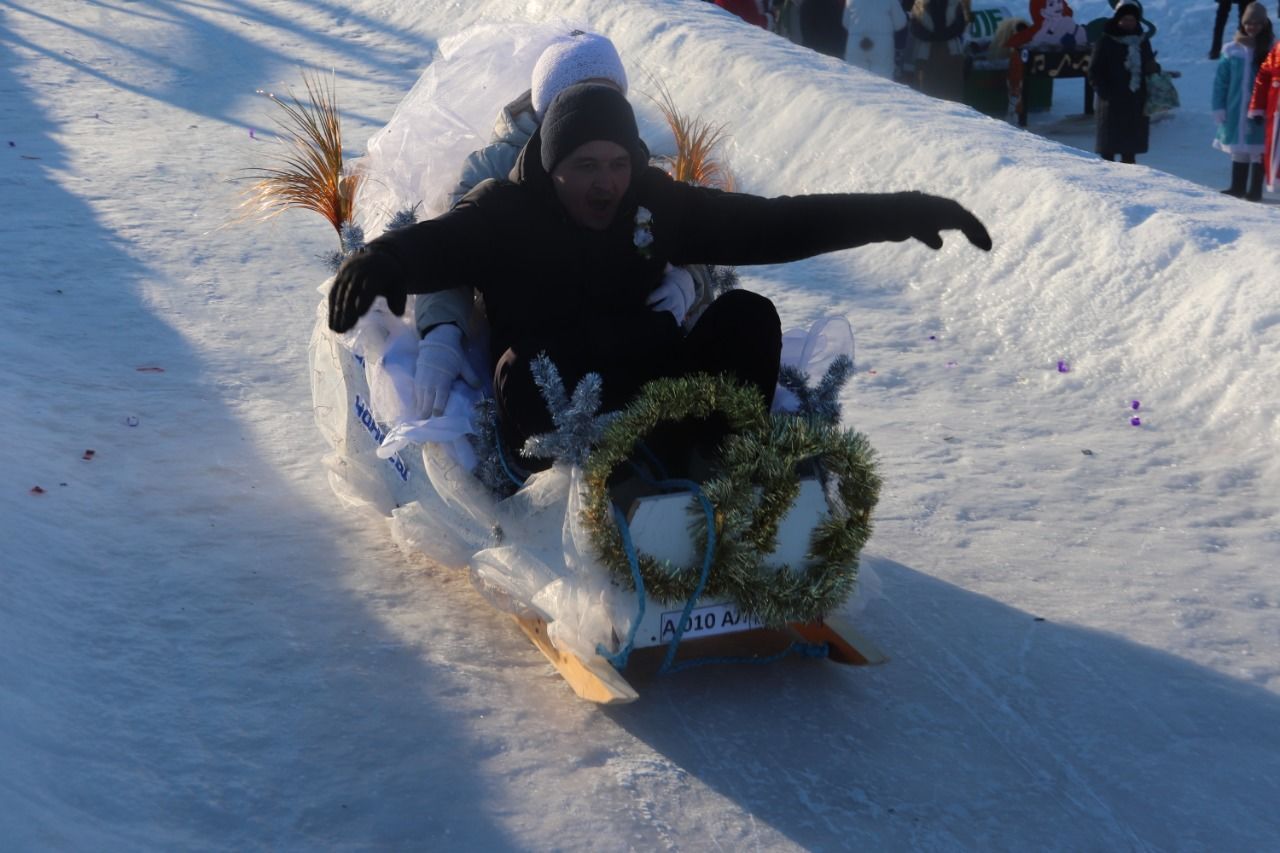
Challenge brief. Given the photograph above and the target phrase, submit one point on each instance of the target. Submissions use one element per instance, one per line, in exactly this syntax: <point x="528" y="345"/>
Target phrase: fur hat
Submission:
<point x="585" y="113"/>
<point x="574" y="59"/>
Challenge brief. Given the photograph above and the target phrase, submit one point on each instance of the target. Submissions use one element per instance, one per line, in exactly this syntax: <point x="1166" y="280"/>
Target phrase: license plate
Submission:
<point x="707" y="621"/>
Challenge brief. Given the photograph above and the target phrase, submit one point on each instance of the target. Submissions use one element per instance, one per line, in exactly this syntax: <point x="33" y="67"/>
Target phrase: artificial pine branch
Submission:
<point x="823" y="401"/>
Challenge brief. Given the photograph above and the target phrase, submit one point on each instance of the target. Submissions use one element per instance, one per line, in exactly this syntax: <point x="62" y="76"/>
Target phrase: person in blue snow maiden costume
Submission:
<point x="1238" y="135"/>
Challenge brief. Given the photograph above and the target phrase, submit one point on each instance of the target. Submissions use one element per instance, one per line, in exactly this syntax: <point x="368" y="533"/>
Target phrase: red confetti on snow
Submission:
<point x="150" y="370"/>
<point x="36" y="490"/>
<point x="88" y="454"/>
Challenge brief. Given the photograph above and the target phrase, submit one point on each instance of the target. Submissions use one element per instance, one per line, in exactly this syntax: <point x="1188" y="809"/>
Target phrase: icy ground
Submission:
<point x="200" y="649"/>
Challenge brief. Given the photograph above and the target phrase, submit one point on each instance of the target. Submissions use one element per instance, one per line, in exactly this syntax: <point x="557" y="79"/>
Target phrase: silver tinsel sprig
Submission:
<point x="723" y="279"/>
<point x="821" y="402"/>
<point x="351" y="237"/>
<point x="403" y="218"/>
<point x="577" y="419"/>
<point x="489" y="468"/>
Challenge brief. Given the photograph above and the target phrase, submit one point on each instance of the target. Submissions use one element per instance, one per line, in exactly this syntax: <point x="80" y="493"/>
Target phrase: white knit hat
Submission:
<point x="578" y="57"/>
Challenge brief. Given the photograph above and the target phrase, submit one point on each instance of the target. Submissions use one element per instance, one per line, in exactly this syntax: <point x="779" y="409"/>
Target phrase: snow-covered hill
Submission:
<point x="201" y="649"/>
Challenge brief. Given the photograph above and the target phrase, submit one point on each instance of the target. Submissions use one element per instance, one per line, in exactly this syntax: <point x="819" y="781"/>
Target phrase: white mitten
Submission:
<point x="675" y="294"/>
<point x="440" y="361"/>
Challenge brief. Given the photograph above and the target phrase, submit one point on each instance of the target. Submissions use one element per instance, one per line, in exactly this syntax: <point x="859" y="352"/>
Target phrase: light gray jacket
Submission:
<point x="512" y="129"/>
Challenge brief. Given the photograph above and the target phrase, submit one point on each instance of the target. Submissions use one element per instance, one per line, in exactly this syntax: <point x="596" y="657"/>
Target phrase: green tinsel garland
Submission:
<point x="756" y="486"/>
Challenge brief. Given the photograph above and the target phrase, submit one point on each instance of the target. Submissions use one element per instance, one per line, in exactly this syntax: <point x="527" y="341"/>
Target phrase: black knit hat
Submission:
<point x="585" y="113"/>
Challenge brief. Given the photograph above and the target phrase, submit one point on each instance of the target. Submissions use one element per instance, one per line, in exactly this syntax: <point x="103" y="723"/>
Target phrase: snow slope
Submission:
<point x="201" y="649"/>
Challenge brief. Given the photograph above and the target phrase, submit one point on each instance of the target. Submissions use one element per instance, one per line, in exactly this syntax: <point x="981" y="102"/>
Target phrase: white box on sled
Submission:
<point x="659" y="527"/>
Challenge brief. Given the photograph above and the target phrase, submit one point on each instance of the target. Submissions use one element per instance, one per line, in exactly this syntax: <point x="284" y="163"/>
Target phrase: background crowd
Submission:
<point x="934" y="46"/>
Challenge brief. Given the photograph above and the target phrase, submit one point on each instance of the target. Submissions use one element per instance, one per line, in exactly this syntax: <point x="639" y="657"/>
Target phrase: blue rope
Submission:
<point x="619" y="660"/>
<point x="707" y="554"/>
<point x="808" y="650"/>
<point x="502" y="459"/>
<point x="653" y="460"/>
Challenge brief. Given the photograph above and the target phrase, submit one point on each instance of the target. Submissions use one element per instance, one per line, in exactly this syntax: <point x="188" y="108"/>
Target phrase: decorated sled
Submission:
<point x="749" y="551"/>
<point x="755" y="560"/>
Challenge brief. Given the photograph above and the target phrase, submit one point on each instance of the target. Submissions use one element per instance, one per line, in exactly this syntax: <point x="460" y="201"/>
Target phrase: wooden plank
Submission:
<point x="594" y="680"/>
<point x="847" y="645"/>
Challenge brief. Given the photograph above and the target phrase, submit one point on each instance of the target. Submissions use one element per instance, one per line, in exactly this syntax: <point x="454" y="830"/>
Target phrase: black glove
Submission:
<point x="364" y="276"/>
<point x="925" y="217"/>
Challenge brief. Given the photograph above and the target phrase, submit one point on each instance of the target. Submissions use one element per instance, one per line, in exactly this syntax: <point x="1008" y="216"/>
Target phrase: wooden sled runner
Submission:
<point x="597" y="681"/>
<point x="713" y="628"/>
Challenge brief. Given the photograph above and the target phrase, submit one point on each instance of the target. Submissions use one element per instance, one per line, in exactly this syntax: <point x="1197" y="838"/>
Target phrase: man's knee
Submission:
<point x="751" y="311"/>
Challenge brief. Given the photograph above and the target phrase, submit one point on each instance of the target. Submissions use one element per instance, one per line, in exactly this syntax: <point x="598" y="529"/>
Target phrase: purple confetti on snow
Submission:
<point x="1063" y="367"/>
<point x="1135" y="421"/>
<point x="1136" y="404"/>
<point x="251" y="136"/>
<point x="132" y="421"/>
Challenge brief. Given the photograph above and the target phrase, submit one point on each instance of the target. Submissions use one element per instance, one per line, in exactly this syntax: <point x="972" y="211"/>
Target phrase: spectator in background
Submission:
<point x="1118" y="71"/>
<point x="873" y="26"/>
<point x="1262" y="109"/>
<point x="937" y="27"/>
<point x="1220" y="23"/>
<point x="1233" y="85"/>
<point x="822" y="26"/>
<point x="752" y="11"/>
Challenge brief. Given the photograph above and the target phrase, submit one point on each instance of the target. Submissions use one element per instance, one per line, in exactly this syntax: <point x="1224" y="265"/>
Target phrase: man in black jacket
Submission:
<point x="569" y="257"/>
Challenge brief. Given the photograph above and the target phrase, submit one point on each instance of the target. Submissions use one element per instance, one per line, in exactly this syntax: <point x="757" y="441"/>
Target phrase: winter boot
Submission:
<point x="1239" y="174"/>
<point x="1255" y="182"/>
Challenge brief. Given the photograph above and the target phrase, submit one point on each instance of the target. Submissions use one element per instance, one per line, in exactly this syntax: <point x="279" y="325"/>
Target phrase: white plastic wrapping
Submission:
<point x="449" y="113"/>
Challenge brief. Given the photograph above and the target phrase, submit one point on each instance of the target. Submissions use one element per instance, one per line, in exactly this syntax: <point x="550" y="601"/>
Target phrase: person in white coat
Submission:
<point x="873" y="25"/>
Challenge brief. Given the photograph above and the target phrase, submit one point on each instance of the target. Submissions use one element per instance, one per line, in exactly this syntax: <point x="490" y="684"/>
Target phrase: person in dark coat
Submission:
<point x="822" y="26"/>
<point x="569" y="258"/>
<point x="937" y="29"/>
<point x="1220" y="23"/>
<point x="1118" y="71"/>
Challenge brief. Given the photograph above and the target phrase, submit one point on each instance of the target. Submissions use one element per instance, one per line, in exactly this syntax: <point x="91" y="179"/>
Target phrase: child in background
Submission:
<point x="1233" y="85"/>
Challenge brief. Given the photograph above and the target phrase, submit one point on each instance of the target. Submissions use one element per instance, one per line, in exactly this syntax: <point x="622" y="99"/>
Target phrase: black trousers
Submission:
<point x="739" y="335"/>
<point x="1220" y="22"/>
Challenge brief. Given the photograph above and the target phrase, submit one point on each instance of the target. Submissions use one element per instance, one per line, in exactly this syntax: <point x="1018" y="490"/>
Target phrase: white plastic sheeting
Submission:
<point x="415" y="159"/>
